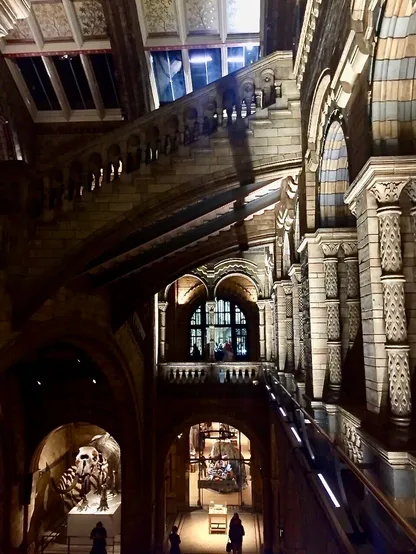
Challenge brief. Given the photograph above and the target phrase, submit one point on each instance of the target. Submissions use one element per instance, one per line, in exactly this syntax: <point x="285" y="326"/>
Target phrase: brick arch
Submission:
<point x="101" y="346"/>
<point x="393" y="114"/>
<point x="334" y="179"/>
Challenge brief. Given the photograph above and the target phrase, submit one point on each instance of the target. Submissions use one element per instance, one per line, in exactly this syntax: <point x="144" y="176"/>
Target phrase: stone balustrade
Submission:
<point x="135" y="146"/>
<point x="238" y="373"/>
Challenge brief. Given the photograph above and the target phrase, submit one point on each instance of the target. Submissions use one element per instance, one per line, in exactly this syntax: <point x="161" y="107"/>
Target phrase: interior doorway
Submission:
<point x="219" y="466"/>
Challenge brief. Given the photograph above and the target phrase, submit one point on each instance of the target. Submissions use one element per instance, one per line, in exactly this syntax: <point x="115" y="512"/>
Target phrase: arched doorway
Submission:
<point x="219" y="466"/>
<point x="212" y="470"/>
<point x="76" y="482"/>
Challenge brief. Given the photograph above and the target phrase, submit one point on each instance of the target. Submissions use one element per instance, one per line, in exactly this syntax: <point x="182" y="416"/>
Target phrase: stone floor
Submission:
<point x="193" y="530"/>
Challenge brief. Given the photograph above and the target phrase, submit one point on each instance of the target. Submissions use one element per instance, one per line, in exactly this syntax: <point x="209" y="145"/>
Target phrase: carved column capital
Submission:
<point x="410" y="190"/>
<point x="350" y="249"/>
<point x="262" y="304"/>
<point x="330" y="249"/>
<point x="387" y="192"/>
<point x="163" y="306"/>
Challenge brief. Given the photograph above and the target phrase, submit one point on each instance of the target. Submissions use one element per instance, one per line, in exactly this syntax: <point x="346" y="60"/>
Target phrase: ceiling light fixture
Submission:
<point x="200" y="59"/>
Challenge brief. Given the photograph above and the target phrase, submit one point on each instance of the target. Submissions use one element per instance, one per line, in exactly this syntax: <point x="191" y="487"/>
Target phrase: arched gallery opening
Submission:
<point x="76" y="483"/>
<point x="211" y="472"/>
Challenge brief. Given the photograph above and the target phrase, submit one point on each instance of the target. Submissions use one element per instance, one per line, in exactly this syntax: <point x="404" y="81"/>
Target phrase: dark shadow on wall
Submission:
<point x="353" y="375"/>
<point x="240" y="150"/>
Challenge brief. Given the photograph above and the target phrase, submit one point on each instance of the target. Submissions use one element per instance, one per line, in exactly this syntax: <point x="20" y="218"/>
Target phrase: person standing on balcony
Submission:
<point x="228" y="352"/>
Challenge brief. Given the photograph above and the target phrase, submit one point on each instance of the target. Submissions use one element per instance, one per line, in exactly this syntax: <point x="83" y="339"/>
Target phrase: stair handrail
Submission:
<point x="189" y="100"/>
<point x="48" y="538"/>
<point x="409" y="531"/>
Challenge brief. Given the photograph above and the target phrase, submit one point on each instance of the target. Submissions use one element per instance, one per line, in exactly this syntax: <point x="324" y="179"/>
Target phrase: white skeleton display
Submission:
<point x="97" y="466"/>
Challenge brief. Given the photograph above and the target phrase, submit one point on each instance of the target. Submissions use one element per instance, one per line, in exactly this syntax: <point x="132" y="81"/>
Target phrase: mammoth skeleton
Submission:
<point x="97" y="467"/>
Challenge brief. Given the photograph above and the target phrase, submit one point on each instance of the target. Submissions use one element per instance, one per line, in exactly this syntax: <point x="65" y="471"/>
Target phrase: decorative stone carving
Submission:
<point x="334" y="363"/>
<point x="262" y="332"/>
<point x="10" y="12"/>
<point x="162" y="330"/>
<point x="330" y="251"/>
<point x="353" y="285"/>
<point x="334" y="330"/>
<point x="391" y="251"/>
<point x="387" y="194"/>
<point x="331" y="278"/>
<point x="352" y="442"/>
<point x="306" y="330"/>
<point x="290" y="354"/>
<point x="394" y="309"/>
<point x="354" y="318"/>
<point x="399" y="384"/>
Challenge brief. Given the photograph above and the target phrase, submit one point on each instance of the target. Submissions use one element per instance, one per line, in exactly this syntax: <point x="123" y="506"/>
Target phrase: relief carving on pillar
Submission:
<point x="334" y="362"/>
<point x="352" y="442"/>
<point x="331" y="279"/>
<point x="353" y="286"/>
<point x="399" y="382"/>
<point x="354" y="317"/>
<point x="334" y="331"/>
<point x="390" y="242"/>
<point x="394" y="310"/>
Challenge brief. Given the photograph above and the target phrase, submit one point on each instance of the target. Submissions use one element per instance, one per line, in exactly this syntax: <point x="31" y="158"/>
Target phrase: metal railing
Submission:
<point x="371" y="518"/>
<point x="80" y="545"/>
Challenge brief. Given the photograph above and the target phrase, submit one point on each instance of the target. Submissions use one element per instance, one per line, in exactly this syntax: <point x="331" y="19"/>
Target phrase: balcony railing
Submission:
<point x="135" y="145"/>
<point x="198" y="373"/>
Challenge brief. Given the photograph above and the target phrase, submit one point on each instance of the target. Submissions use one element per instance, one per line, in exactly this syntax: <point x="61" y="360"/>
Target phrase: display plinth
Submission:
<point x="80" y="524"/>
<point x="217" y="519"/>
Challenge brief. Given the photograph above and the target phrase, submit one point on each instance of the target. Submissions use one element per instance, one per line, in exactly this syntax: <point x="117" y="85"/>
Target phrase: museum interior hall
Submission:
<point x="207" y="276"/>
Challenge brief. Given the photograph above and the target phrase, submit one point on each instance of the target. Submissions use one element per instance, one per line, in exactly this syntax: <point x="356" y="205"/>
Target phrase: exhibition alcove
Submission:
<point x="76" y="483"/>
<point x="211" y="472"/>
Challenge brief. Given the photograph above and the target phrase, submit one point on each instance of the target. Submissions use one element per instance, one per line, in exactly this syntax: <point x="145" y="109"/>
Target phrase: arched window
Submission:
<point x="230" y="332"/>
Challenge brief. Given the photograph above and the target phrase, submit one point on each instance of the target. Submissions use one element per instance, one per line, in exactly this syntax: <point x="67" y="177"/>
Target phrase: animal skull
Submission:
<point x="86" y="461"/>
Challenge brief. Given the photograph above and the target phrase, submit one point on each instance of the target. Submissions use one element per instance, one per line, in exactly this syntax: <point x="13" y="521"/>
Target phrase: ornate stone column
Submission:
<point x="274" y="326"/>
<point x="330" y="250"/>
<point x="211" y="329"/>
<point x="387" y="195"/>
<point x="353" y="291"/>
<point x="262" y="336"/>
<point x="290" y="354"/>
<point x="162" y="330"/>
<point x="295" y="275"/>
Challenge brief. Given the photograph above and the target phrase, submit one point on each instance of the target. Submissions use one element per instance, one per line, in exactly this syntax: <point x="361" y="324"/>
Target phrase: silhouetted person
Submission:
<point x="175" y="541"/>
<point x="99" y="539"/>
<point x="196" y="354"/>
<point x="235" y="534"/>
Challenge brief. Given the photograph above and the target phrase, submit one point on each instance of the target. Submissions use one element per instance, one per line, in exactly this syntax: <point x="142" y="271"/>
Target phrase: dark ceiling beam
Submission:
<point x="125" y="297"/>
<point x="129" y="57"/>
<point x="175" y="222"/>
<point x="128" y="270"/>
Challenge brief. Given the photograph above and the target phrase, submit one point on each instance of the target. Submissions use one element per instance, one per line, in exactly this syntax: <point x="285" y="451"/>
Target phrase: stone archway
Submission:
<point x="393" y="113"/>
<point x="101" y="346"/>
<point x="233" y="412"/>
<point x="334" y="180"/>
